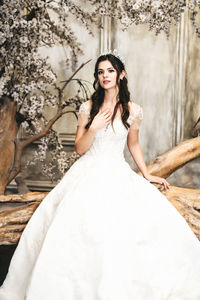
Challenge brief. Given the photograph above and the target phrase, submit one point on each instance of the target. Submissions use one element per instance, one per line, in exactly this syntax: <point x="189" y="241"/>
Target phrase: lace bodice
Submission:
<point x="110" y="141"/>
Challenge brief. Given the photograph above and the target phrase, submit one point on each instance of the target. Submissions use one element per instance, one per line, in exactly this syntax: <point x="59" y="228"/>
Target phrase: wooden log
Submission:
<point x="14" y="220"/>
<point x="187" y="202"/>
<point x="165" y="164"/>
<point x="18" y="198"/>
<point x="11" y="234"/>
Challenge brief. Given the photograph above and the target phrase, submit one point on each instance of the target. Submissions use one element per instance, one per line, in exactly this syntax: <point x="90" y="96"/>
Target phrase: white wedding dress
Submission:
<point x="105" y="233"/>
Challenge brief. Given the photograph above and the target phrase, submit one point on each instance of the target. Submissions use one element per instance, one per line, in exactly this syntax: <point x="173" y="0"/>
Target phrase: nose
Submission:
<point x="105" y="73"/>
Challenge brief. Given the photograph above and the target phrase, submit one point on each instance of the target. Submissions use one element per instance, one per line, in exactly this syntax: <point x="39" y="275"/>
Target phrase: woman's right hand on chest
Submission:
<point x="102" y="119"/>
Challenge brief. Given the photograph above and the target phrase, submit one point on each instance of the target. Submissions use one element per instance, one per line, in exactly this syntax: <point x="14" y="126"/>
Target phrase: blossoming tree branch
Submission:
<point x="29" y="85"/>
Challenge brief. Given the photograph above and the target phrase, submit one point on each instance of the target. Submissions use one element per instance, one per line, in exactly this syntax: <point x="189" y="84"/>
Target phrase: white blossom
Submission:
<point x="24" y="41"/>
<point x="2" y="38"/>
<point x="136" y="6"/>
<point x="156" y="4"/>
<point x="142" y="17"/>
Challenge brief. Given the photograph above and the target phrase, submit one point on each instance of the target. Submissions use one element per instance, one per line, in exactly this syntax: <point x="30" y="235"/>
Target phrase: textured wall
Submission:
<point x="150" y="67"/>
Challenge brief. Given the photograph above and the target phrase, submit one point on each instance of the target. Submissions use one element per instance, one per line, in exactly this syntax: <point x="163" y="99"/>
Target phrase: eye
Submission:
<point x="111" y="70"/>
<point x="99" y="72"/>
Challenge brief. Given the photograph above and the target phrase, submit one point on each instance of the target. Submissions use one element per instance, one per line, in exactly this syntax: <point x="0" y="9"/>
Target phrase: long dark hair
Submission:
<point x="98" y="95"/>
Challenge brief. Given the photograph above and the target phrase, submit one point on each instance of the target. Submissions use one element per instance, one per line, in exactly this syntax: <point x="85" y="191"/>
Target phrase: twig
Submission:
<point x="70" y="78"/>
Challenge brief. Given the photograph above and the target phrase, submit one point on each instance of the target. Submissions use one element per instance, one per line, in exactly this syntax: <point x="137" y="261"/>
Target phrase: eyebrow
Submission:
<point x="107" y="69"/>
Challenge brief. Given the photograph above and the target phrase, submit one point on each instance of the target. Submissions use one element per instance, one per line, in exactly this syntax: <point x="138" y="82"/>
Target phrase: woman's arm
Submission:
<point x="85" y="137"/>
<point x="136" y="152"/>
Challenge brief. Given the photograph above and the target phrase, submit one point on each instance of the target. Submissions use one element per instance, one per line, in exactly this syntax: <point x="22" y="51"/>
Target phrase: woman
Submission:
<point x="104" y="232"/>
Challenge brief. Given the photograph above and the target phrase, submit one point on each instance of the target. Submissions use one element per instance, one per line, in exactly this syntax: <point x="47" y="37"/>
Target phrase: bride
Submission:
<point x="104" y="232"/>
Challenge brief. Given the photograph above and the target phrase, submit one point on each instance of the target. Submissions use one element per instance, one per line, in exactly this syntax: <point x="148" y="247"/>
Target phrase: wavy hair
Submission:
<point x="123" y="95"/>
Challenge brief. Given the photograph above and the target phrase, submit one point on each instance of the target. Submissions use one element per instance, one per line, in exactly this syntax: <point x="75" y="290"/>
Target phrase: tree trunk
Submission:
<point x="8" y="132"/>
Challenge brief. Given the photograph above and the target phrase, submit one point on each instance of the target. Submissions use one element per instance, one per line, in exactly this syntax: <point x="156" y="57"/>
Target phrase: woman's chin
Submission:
<point x="108" y="87"/>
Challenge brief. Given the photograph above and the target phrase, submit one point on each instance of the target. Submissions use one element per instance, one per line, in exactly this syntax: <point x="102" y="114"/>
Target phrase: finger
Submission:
<point x="108" y="114"/>
<point x="105" y="111"/>
<point x="108" y="117"/>
<point x="104" y="116"/>
<point x="166" y="184"/>
<point x="162" y="182"/>
<point x="107" y="123"/>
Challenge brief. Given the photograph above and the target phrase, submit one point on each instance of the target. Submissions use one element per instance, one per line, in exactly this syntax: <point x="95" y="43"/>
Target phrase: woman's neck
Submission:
<point x="110" y="97"/>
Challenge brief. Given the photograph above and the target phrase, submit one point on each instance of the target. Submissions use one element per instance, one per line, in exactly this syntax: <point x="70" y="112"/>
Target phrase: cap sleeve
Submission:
<point x="83" y="114"/>
<point x="136" y="116"/>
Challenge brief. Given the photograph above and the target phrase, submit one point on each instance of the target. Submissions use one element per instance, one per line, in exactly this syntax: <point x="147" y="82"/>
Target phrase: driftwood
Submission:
<point x="13" y="219"/>
<point x="13" y="222"/>
<point x="164" y="165"/>
<point x="187" y="202"/>
<point x="24" y="198"/>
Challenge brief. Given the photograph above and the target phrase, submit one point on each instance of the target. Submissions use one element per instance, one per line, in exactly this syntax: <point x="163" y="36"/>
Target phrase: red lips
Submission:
<point x="106" y="81"/>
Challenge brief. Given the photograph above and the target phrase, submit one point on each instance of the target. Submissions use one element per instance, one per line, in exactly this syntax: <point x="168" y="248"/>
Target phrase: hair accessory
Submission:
<point x="115" y="53"/>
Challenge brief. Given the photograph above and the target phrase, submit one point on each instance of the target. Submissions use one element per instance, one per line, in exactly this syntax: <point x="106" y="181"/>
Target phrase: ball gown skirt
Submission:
<point x="105" y="233"/>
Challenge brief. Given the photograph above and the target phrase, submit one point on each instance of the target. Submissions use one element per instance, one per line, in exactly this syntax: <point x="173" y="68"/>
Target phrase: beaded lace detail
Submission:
<point x="136" y="114"/>
<point x="84" y="108"/>
<point x="109" y="141"/>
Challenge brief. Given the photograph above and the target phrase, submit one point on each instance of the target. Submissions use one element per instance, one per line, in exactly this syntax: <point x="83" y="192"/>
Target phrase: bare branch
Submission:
<point x="70" y="78"/>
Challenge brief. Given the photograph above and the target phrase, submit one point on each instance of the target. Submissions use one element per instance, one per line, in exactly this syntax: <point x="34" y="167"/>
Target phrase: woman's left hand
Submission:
<point x="160" y="180"/>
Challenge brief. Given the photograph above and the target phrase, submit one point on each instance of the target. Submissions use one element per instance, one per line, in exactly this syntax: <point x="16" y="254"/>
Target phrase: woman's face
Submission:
<point x="107" y="75"/>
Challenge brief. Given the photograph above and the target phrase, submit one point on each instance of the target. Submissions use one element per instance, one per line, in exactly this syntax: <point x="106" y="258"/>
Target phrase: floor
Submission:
<point x="6" y="253"/>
